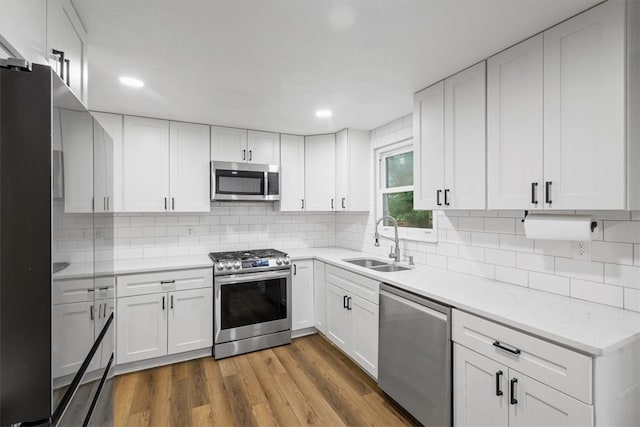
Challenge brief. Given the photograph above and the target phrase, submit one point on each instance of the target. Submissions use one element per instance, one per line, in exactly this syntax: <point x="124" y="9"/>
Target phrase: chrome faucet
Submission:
<point x="395" y="253"/>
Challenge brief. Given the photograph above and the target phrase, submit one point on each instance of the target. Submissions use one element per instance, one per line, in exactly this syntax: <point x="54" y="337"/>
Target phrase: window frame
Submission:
<point x="404" y="233"/>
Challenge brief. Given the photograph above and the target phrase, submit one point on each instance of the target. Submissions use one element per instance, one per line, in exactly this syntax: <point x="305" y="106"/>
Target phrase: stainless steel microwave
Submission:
<point x="245" y="181"/>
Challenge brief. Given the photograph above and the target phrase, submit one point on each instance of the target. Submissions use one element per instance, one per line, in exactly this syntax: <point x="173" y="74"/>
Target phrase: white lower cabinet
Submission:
<point x="73" y="336"/>
<point x="319" y="296"/>
<point x="491" y="389"/>
<point x="302" y="295"/>
<point x="352" y="316"/>
<point x="175" y="315"/>
<point x="142" y="327"/>
<point x="190" y="320"/>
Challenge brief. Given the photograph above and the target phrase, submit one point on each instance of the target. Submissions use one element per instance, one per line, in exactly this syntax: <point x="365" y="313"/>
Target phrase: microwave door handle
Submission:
<point x="266" y="184"/>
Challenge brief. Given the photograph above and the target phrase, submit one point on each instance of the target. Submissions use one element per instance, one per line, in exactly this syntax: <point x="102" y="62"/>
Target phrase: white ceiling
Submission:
<point x="270" y="64"/>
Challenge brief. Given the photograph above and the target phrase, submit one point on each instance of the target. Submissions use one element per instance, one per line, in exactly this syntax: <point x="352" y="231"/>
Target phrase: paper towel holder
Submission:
<point x="594" y="224"/>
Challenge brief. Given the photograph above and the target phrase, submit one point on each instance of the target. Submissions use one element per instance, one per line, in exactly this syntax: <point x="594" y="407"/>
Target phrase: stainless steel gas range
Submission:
<point x="252" y="301"/>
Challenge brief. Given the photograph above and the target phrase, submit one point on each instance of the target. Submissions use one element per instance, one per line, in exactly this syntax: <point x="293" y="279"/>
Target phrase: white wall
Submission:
<point x="492" y="244"/>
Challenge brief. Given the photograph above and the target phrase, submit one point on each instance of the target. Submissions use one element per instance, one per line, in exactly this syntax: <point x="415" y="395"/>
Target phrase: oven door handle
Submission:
<point x="252" y="277"/>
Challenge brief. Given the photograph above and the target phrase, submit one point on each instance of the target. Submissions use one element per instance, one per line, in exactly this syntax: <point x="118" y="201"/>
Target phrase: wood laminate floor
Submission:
<point x="306" y="383"/>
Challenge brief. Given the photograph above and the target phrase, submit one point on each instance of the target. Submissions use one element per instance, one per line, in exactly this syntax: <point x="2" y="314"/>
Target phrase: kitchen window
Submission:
<point x="394" y="194"/>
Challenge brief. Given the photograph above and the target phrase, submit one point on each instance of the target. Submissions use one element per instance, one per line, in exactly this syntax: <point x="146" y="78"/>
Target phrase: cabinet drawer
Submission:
<point x="78" y="290"/>
<point x="364" y="287"/>
<point x="150" y="283"/>
<point x="556" y="366"/>
<point x="105" y="287"/>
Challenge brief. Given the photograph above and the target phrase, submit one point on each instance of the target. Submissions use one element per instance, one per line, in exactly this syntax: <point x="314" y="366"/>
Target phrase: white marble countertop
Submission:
<point x="585" y="326"/>
<point x="588" y="327"/>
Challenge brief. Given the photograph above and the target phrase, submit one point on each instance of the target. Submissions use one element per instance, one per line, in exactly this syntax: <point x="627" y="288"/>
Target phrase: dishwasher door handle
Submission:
<point x="415" y="305"/>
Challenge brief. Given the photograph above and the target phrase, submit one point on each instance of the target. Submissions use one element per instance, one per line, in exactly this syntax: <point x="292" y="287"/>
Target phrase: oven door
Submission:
<point x="252" y="304"/>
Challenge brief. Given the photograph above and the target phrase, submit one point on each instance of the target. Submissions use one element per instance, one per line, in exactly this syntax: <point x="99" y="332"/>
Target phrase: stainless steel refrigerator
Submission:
<point x="56" y="255"/>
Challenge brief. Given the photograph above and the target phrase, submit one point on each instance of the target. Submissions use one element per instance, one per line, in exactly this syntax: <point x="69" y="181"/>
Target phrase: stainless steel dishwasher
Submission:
<point x="414" y="366"/>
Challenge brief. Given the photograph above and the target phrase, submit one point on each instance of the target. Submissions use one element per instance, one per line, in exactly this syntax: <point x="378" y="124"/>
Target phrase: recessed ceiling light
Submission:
<point x="324" y="113"/>
<point x="130" y="81"/>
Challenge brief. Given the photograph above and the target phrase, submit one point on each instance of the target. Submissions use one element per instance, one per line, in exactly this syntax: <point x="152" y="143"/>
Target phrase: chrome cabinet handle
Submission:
<point x="343" y="200"/>
<point x="547" y="191"/>
<point x="165" y="203"/>
<point x="446" y="199"/>
<point x="244" y="154"/>
<point x="171" y="302"/>
<point x="534" y="193"/>
<point x="302" y="206"/>
<point x="173" y="203"/>
<point x="348" y="303"/>
<point x="344" y="301"/>
<point x="438" y="202"/>
<point x="332" y="204"/>
<point x="167" y="282"/>
<point x="250" y="155"/>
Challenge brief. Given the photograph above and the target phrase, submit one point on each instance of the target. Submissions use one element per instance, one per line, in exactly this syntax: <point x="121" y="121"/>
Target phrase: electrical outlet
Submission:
<point x="582" y="251"/>
<point x="189" y="231"/>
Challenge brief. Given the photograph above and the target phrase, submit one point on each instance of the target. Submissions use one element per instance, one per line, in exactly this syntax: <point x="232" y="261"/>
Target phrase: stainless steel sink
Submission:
<point x="367" y="262"/>
<point x="389" y="268"/>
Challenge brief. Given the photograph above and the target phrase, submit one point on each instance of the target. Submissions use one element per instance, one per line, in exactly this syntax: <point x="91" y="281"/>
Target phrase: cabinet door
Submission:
<point x="302" y="295"/>
<point x="146" y="165"/>
<point x="189" y="167"/>
<point x="104" y="308"/>
<point x="465" y="138"/>
<point x="23" y="23"/>
<point x="342" y="170"/>
<point x="537" y="404"/>
<point x="584" y="110"/>
<point x="480" y="394"/>
<point x="364" y="320"/>
<point x="73" y="336"/>
<point x="263" y="147"/>
<point x="319" y="292"/>
<point x="102" y="167"/>
<point x="292" y="173"/>
<point x="319" y="172"/>
<point x="514" y="119"/>
<point x="339" y="327"/>
<point x="76" y="128"/>
<point x="428" y="147"/>
<point x="359" y="171"/>
<point x="141" y="331"/>
<point x="190" y="320"/>
<point x="65" y="33"/>
<point x="228" y="144"/>
<point x="112" y="124"/>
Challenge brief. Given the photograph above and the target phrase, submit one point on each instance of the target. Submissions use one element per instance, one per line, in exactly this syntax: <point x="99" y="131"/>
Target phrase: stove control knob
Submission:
<point x="279" y="261"/>
<point x="228" y="265"/>
<point x="287" y="260"/>
<point x="237" y="265"/>
<point x="219" y="266"/>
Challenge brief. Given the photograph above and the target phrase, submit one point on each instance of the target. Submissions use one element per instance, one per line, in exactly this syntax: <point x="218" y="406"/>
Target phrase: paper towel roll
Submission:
<point x="558" y="227"/>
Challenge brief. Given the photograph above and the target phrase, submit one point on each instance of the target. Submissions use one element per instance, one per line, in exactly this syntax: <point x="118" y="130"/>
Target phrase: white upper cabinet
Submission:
<point x="450" y="142"/>
<point x="514" y="132"/>
<point x="428" y="147"/>
<point x="465" y="139"/>
<point x="319" y="172"/>
<point x="584" y="110"/>
<point x="352" y="163"/>
<point x="240" y="145"/>
<point x="112" y="124"/>
<point x="23" y="24"/>
<point x="263" y="147"/>
<point x="292" y="173"/>
<point x="66" y="35"/>
<point x="189" y="167"/>
<point x="228" y="144"/>
<point x="76" y="129"/>
<point x="102" y="169"/>
<point x="145" y="165"/>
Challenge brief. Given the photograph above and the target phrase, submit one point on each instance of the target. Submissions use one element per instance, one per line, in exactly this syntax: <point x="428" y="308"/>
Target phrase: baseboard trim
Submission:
<point x="140" y="365"/>
<point x="304" y="332"/>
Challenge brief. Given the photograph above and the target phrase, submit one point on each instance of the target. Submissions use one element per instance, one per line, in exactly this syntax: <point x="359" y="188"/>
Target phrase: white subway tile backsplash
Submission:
<point x="500" y="225"/>
<point x="470" y="224"/>
<point x="533" y="262"/>
<point x="459" y="265"/>
<point x="485" y="240"/>
<point x="632" y="299"/>
<point x="622" y="275"/>
<point x="515" y="243"/>
<point x="585" y="270"/>
<point x="512" y="275"/>
<point x="500" y="257"/>
<point x="549" y="283"/>
<point x="622" y="231"/>
<point x="553" y="247"/>
<point x="597" y="292"/>
<point x="616" y="253"/>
